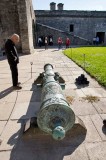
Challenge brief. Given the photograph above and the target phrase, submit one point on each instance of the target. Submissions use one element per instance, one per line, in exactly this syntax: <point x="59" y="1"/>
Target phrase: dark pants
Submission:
<point x="67" y="46"/>
<point x="14" y="72"/>
<point x="59" y="45"/>
<point x="45" y="45"/>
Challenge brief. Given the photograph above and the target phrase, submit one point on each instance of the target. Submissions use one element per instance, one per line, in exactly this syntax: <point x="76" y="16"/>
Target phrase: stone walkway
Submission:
<point x="18" y="106"/>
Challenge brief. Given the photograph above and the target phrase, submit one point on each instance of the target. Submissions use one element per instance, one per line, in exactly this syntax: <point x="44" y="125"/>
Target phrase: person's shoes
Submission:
<point x="17" y="87"/>
<point x="19" y="83"/>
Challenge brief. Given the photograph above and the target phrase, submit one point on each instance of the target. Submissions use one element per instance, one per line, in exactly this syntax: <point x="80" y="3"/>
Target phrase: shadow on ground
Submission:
<point x="5" y="92"/>
<point x="81" y="86"/>
<point x="41" y="50"/>
<point x="55" y="50"/>
<point x="34" y="144"/>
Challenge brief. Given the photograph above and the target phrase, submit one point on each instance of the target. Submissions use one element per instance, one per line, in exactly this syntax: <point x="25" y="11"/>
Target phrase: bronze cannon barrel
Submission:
<point x="55" y="115"/>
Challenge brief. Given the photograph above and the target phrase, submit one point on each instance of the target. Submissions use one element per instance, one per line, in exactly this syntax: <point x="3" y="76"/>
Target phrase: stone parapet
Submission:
<point x="70" y="13"/>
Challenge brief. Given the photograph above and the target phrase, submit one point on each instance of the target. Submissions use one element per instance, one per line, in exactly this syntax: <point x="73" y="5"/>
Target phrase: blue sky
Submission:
<point x="71" y="4"/>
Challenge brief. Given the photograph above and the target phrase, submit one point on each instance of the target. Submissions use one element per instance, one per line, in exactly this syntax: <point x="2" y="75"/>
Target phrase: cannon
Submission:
<point x="55" y="116"/>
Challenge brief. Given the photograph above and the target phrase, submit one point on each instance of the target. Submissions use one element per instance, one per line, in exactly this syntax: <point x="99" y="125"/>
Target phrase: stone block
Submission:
<point x="2" y="125"/>
<point x="78" y="73"/>
<point x="29" y="96"/>
<point x="94" y="92"/>
<point x="92" y="134"/>
<point x="10" y="135"/>
<point x="8" y="96"/>
<point x="96" y="151"/>
<point x="79" y="154"/>
<point x="25" y="110"/>
<point x="5" y="155"/>
<point x="98" y="122"/>
<point x="80" y="93"/>
<point x="6" y="110"/>
<point x="82" y="108"/>
<point x="100" y="106"/>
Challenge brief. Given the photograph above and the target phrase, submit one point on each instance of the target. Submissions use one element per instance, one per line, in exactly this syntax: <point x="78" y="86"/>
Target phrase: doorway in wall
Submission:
<point x="101" y="36"/>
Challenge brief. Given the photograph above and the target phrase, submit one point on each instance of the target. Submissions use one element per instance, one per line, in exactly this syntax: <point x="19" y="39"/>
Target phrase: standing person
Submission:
<point x="46" y="43"/>
<point x="51" y="41"/>
<point x="97" y="40"/>
<point x="13" y="58"/>
<point x="39" y="42"/>
<point x="94" y="40"/>
<point x="67" y="43"/>
<point x="59" y="42"/>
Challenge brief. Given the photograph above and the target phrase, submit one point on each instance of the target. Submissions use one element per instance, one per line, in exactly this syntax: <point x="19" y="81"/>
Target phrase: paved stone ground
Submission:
<point x="17" y="106"/>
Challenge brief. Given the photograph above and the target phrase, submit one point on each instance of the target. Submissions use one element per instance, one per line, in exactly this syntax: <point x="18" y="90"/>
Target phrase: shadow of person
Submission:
<point x="41" y="50"/>
<point x="35" y="144"/>
<point x="5" y="92"/>
<point x="55" y="50"/>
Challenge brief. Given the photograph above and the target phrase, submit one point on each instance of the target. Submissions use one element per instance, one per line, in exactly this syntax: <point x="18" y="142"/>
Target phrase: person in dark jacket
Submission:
<point x="13" y="58"/>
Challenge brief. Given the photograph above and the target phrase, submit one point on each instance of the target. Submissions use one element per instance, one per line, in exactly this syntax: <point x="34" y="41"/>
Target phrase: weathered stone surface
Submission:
<point x="29" y="96"/>
<point x="71" y="79"/>
<point x="20" y="20"/>
<point x="98" y="122"/>
<point x="83" y="108"/>
<point x="80" y="93"/>
<point x="96" y="151"/>
<point x="5" y="88"/>
<point x="79" y="154"/>
<point x="29" y="87"/>
<point x="77" y="72"/>
<point x="6" y="81"/>
<point x="90" y="129"/>
<point x="2" y="125"/>
<point x="8" y="95"/>
<point x="71" y="85"/>
<point x="6" y="110"/>
<point x="4" y="76"/>
<point x="25" y="110"/>
<point x="103" y="116"/>
<point x="100" y="106"/>
<point x="5" y="155"/>
<point x="10" y="135"/>
<point x="99" y="92"/>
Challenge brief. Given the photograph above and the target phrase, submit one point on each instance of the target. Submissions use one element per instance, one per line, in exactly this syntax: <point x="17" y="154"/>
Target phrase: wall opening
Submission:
<point x="71" y="28"/>
<point x="101" y="36"/>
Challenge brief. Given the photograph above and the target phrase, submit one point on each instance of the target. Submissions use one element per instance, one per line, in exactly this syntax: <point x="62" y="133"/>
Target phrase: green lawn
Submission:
<point x="95" y="61"/>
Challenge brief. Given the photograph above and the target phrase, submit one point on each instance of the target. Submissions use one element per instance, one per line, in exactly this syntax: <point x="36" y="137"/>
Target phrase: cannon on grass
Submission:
<point x="55" y="116"/>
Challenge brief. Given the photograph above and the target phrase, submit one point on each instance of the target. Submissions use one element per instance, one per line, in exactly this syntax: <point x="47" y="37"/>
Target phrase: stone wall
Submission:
<point x="17" y="16"/>
<point x="26" y="20"/>
<point x="9" y="20"/>
<point x="45" y="31"/>
<point x="86" y="23"/>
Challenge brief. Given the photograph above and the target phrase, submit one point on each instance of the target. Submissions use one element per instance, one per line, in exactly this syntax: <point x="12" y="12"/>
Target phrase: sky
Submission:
<point x="71" y="4"/>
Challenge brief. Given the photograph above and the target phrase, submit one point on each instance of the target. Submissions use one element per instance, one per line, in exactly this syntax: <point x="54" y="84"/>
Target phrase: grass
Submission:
<point x="95" y="61"/>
